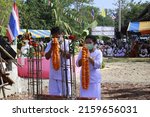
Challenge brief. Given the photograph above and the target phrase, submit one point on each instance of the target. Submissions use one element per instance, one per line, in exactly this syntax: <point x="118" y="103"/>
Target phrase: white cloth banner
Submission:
<point x="103" y="31"/>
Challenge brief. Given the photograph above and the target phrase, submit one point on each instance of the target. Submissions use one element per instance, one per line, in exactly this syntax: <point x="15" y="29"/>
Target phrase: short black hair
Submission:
<point x="55" y="30"/>
<point x="92" y="37"/>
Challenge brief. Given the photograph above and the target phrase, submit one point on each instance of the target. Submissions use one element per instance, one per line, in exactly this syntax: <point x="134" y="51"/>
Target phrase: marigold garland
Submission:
<point x="85" y="68"/>
<point x="55" y="54"/>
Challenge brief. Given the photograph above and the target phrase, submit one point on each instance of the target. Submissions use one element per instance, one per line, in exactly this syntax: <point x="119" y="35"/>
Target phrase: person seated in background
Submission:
<point x="109" y="51"/>
<point x="143" y="52"/>
<point x="115" y="51"/>
<point x="104" y="50"/>
<point x="121" y="52"/>
<point x="148" y="48"/>
<point x="134" y="49"/>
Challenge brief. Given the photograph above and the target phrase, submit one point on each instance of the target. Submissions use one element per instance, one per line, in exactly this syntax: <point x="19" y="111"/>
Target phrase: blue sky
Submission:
<point x="108" y="3"/>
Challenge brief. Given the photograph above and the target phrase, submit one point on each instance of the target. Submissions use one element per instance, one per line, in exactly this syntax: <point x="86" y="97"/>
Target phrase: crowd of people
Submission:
<point x="136" y="48"/>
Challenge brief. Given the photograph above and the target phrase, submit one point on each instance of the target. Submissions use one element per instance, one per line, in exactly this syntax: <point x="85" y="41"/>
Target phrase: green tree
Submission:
<point x="66" y="14"/>
<point x="35" y="14"/>
<point x="130" y="10"/>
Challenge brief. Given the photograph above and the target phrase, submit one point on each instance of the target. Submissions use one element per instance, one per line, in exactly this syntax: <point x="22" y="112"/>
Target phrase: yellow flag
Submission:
<point x="103" y="13"/>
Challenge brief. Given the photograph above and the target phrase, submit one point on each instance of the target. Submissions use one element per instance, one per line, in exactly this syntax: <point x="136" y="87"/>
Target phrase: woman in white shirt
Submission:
<point x="95" y="61"/>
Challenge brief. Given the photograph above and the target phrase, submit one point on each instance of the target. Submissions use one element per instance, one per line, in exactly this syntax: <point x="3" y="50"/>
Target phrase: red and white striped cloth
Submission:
<point x="13" y="25"/>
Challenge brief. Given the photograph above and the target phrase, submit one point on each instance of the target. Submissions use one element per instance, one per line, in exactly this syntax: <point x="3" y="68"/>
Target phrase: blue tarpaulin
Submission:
<point x="37" y="33"/>
<point x="142" y="27"/>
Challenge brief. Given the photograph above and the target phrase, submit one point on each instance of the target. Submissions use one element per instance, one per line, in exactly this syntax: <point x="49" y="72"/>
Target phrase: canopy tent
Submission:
<point x="142" y="27"/>
<point x="36" y="33"/>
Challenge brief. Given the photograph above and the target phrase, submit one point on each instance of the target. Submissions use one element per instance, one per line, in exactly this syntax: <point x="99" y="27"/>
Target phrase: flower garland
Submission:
<point x="55" y="54"/>
<point x="85" y="68"/>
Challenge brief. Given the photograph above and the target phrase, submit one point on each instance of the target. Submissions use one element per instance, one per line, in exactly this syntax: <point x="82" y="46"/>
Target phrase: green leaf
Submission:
<point x="67" y="27"/>
<point x="2" y="30"/>
<point x="55" y="14"/>
<point x="92" y="25"/>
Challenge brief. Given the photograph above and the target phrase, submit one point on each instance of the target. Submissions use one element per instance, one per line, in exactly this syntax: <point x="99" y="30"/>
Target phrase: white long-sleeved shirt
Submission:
<point x="58" y="74"/>
<point x="95" y="75"/>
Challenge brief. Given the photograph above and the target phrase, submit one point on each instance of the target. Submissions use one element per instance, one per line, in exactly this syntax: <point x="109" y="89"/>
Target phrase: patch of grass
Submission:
<point x="127" y="59"/>
<point x="103" y="65"/>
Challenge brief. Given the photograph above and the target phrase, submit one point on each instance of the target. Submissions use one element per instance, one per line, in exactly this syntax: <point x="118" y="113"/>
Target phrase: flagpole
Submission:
<point x="119" y="16"/>
<point x="15" y="42"/>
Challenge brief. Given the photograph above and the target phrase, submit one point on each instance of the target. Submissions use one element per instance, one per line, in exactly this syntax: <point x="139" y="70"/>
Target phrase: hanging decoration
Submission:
<point x="55" y="54"/>
<point x="85" y="68"/>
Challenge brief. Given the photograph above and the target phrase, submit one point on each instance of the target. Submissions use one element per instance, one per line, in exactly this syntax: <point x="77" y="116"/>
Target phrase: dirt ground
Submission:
<point x="120" y="81"/>
<point x="126" y="81"/>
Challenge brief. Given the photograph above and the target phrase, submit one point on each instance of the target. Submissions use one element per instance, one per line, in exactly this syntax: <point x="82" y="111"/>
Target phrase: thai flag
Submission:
<point x="13" y="25"/>
<point x="113" y="16"/>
